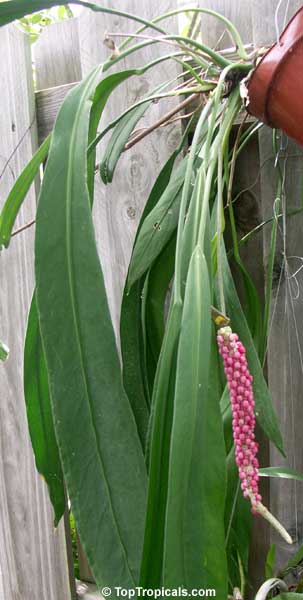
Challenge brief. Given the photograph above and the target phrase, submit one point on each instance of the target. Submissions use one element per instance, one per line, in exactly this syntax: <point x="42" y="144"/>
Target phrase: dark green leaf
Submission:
<point x="101" y="454"/>
<point x="134" y="377"/>
<point x="264" y="409"/>
<point x="18" y="192"/>
<point x="157" y="227"/>
<point x="283" y="472"/>
<point x="124" y="127"/>
<point x="118" y="140"/>
<point x="194" y="534"/>
<point x="161" y="423"/>
<point x="100" y="98"/>
<point x="39" y="414"/>
<point x="153" y="307"/>
<point x="134" y="369"/>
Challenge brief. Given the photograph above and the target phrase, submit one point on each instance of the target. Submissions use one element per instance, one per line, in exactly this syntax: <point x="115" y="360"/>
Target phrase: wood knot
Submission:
<point x="137" y="173"/>
<point x="131" y="212"/>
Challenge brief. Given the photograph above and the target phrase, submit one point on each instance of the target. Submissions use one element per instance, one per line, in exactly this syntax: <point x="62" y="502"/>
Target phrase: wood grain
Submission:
<point x="33" y="561"/>
<point x="214" y="32"/>
<point x="48" y="103"/>
<point x="58" y="45"/>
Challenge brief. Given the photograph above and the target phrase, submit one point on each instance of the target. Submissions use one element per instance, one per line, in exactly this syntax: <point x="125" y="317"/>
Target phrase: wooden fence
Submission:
<point x="35" y="559"/>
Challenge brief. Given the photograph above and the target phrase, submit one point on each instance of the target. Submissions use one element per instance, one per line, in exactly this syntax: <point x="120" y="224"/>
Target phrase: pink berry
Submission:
<point x="239" y="381"/>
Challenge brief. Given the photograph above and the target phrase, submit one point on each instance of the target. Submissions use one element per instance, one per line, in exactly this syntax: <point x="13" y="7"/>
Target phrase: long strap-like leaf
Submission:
<point x="134" y="371"/>
<point x="39" y="415"/>
<point x="100" y="450"/>
<point x="194" y="554"/>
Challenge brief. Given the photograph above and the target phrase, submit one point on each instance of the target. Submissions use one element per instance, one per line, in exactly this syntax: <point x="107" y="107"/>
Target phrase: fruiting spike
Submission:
<point x="239" y="381"/>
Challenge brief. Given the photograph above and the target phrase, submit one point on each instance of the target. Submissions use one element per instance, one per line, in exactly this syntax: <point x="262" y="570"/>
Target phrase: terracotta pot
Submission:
<point x="275" y="88"/>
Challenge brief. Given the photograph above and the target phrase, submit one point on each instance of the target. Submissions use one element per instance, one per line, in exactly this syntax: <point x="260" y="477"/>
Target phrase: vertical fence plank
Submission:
<point x="284" y="351"/>
<point x="214" y="31"/>
<point x="57" y="55"/>
<point x="33" y="562"/>
<point x="118" y="206"/>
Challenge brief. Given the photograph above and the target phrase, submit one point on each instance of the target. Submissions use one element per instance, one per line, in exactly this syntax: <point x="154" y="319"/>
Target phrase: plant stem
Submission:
<point x="184" y="199"/>
<point x="214" y="56"/>
<point x="231" y="28"/>
<point x="220" y="232"/>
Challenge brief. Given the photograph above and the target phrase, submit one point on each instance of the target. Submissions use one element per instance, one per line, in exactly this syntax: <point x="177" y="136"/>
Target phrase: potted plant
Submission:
<point x="164" y="443"/>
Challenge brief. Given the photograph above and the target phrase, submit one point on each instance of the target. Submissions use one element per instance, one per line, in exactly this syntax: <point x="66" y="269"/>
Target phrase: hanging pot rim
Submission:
<point x="264" y="82"/>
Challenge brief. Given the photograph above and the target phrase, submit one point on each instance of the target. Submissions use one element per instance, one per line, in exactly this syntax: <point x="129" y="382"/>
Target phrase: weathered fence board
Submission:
<point x="58" y="47"/>
<point x="33" y="563"/>
<point x="214" y="31"/>
<point x="48" y="103"/>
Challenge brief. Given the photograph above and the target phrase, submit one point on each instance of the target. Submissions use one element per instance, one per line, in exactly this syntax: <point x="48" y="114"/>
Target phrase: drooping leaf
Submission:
<point x="157" y="227"/>
<point x="265" y="413"/>
<point x="134" y="371"/>
<point x="99" y="101"/>
<point x="122" y="132"/>
<point x="118" y="140"/>
<point x="158" y="453"/>
<point x="101" y="454"/>
<point x="39" y="415"/>
<point x="4" y="351"/>
<point x="18" y="192"/>
<point x="153" y="307"/>
<point x="120" y="125"/>
<point x="283" y="472"/>
<point x="194" y="530"/>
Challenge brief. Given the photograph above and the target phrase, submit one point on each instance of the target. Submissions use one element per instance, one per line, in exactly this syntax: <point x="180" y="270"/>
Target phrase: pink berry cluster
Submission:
<point x="239" y="382"/>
